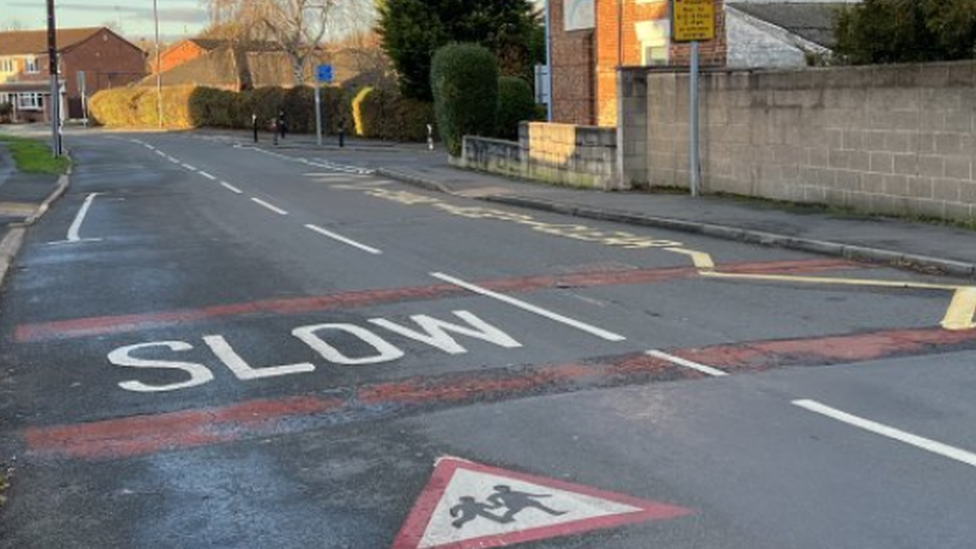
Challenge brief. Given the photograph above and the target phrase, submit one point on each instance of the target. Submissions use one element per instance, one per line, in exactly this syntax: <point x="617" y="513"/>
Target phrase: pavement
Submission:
<point x="24" y="198"/>
<point x="929" y="247"/>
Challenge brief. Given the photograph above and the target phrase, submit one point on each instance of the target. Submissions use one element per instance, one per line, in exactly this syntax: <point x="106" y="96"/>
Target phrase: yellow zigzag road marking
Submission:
<point x="959" y="316"/>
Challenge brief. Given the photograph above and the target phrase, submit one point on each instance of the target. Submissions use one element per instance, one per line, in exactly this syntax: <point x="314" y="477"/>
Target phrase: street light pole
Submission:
<point x="159" y="71"/>
<point x="55" y="102"/>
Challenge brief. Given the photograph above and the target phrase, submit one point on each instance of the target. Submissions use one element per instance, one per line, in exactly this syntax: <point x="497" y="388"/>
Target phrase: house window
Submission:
<point x="30" y="65"/>
<point x="4" y="98"/>
<point x="6" y="65"/>
<point x="30" y="101"/>
<point x="655" y="41"/>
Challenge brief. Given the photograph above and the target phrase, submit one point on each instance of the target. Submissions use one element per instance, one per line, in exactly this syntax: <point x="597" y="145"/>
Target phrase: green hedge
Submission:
<point x="382" y="114"/>
<point x="464" y="79"/>
<point x="516" y="103"/>
<point x="138" y="107"/>
<point x="385" y="114"/>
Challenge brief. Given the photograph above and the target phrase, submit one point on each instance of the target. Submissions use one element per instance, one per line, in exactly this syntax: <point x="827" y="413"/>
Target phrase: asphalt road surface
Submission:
<point x="211" y="346"/>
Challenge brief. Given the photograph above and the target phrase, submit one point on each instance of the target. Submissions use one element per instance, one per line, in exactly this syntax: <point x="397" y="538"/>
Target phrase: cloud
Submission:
<point x="167" y="15"/>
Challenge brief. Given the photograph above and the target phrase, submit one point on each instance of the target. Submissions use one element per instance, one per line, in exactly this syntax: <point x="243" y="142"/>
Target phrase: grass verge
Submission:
<point x="34" y="156"/>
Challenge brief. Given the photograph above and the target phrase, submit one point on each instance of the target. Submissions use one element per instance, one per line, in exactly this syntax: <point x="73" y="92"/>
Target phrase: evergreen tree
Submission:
<point x="412" y="30"/>
<point x="900" y="31"/>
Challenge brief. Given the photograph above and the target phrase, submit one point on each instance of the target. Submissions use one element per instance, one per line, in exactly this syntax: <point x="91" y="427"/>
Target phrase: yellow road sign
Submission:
<point x="692" y="20"/>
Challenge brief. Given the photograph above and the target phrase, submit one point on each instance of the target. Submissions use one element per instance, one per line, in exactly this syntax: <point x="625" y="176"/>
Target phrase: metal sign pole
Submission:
<point x="318" y="113"/>
<point x="693" y="138"/>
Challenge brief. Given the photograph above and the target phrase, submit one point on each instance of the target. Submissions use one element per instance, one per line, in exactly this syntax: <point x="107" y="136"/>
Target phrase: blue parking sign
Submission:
<point x="324" y="73"/>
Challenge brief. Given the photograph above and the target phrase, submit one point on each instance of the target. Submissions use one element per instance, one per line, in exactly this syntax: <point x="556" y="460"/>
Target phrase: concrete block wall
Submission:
<point x="563" y="154"/>
<point x="896" y="139"/>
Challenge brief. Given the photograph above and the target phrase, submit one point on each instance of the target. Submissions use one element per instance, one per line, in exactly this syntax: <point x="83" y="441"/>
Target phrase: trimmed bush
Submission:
<point x="464" y="79"/>
<point x="516" y="103"/>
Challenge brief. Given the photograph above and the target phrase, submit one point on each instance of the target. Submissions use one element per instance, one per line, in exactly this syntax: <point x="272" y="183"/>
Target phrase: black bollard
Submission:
<point x="342" y="136"/>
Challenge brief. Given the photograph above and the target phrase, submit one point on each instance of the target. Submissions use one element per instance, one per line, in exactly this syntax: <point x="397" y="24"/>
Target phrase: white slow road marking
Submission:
<point x="269" y="206"/>
<point x="343" y="239"/>
<point x="189" y="167"/>
<point x="73" y="231"/>
<point x="207" y="175"/>
<point x="686" y="363"/>
<point x="923" y="443"/>
<point x="582" y="326"/>
<point x="230" y="187"/>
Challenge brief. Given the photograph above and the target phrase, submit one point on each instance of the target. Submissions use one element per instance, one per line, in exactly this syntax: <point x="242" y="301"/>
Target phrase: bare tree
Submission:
<point x="297" y="27"/>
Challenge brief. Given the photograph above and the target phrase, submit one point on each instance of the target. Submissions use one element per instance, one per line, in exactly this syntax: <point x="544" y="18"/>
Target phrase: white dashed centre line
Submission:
<point x="922" y="443"/>
<point x="582" y="326"/>
<point x="189" y="167"/>
<point x="230" y="187"/>
<point x="343" y="239"/>
<point x="269" y="206"/>
<point x="207" y="175"/>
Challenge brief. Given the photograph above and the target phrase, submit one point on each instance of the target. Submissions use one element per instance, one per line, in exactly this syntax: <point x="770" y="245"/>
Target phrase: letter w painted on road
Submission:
<point x="436" y="332"/>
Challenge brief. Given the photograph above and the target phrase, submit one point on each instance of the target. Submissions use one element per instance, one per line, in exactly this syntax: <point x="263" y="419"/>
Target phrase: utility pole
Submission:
<point x="55" y="102"/>
<point x="159" y="70"/>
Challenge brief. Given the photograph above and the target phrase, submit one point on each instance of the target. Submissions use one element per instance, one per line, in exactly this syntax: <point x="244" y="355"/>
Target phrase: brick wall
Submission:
<point x="564" y="154"/>
<point x="573" y="86"/>
<point x="898" y="139"/>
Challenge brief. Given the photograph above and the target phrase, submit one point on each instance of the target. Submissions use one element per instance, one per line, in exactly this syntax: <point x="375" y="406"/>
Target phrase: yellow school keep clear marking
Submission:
<point x="572" y="231"/>
<point x="959" y="316"/>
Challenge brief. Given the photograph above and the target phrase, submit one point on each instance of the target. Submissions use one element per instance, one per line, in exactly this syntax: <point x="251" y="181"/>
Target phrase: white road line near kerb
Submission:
<point x="230" y="187"/>
<point x="582" y="326"/>
<point x="923" y="443"/>
<point x="80" y="218"/>
<point x="269" y="206"/>
<point x="207" y="175"/>
<point x="343" y="239"/>
<point x="686" y="363"/>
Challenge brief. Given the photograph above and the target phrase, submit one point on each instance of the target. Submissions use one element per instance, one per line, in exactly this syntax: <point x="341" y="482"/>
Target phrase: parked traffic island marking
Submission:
<point x="467" y="505"/>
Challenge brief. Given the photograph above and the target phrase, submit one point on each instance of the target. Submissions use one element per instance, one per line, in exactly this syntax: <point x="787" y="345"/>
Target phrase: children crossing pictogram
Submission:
<point x="467" y="505"/>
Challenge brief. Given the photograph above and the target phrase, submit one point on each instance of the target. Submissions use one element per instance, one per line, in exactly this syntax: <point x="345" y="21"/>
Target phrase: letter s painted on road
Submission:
<point x="199" y="374"/>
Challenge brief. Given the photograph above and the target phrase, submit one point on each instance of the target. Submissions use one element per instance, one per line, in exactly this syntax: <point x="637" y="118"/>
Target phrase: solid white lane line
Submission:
<point x="686" y="363"/>
<point x="922" y="443"/>
<point x="189" y="167"/>
<point x="343" y="239"/>
<point x="582" y="326"/>
<point x="80" y="218"/>
<point x="207" y="175"/>
<point x="271" y="207"/>
<point x="230" y="187"/>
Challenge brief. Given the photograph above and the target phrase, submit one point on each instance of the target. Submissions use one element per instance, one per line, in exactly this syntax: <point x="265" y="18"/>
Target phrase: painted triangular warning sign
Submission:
<point x="468" y="505"/>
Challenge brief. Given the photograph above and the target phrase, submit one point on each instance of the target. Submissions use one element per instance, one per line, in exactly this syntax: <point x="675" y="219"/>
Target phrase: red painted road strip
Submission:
<point x="142" y="435"/>
<point x="116" y="324"/>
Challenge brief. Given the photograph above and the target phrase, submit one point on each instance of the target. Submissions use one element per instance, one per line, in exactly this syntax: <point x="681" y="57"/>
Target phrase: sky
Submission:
<point x="134" y="17"/>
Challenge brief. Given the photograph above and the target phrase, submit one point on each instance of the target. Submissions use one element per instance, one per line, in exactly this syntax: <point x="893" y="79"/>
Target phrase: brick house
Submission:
<point x="107" y="59"/>
<point x="591" y="39"/>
